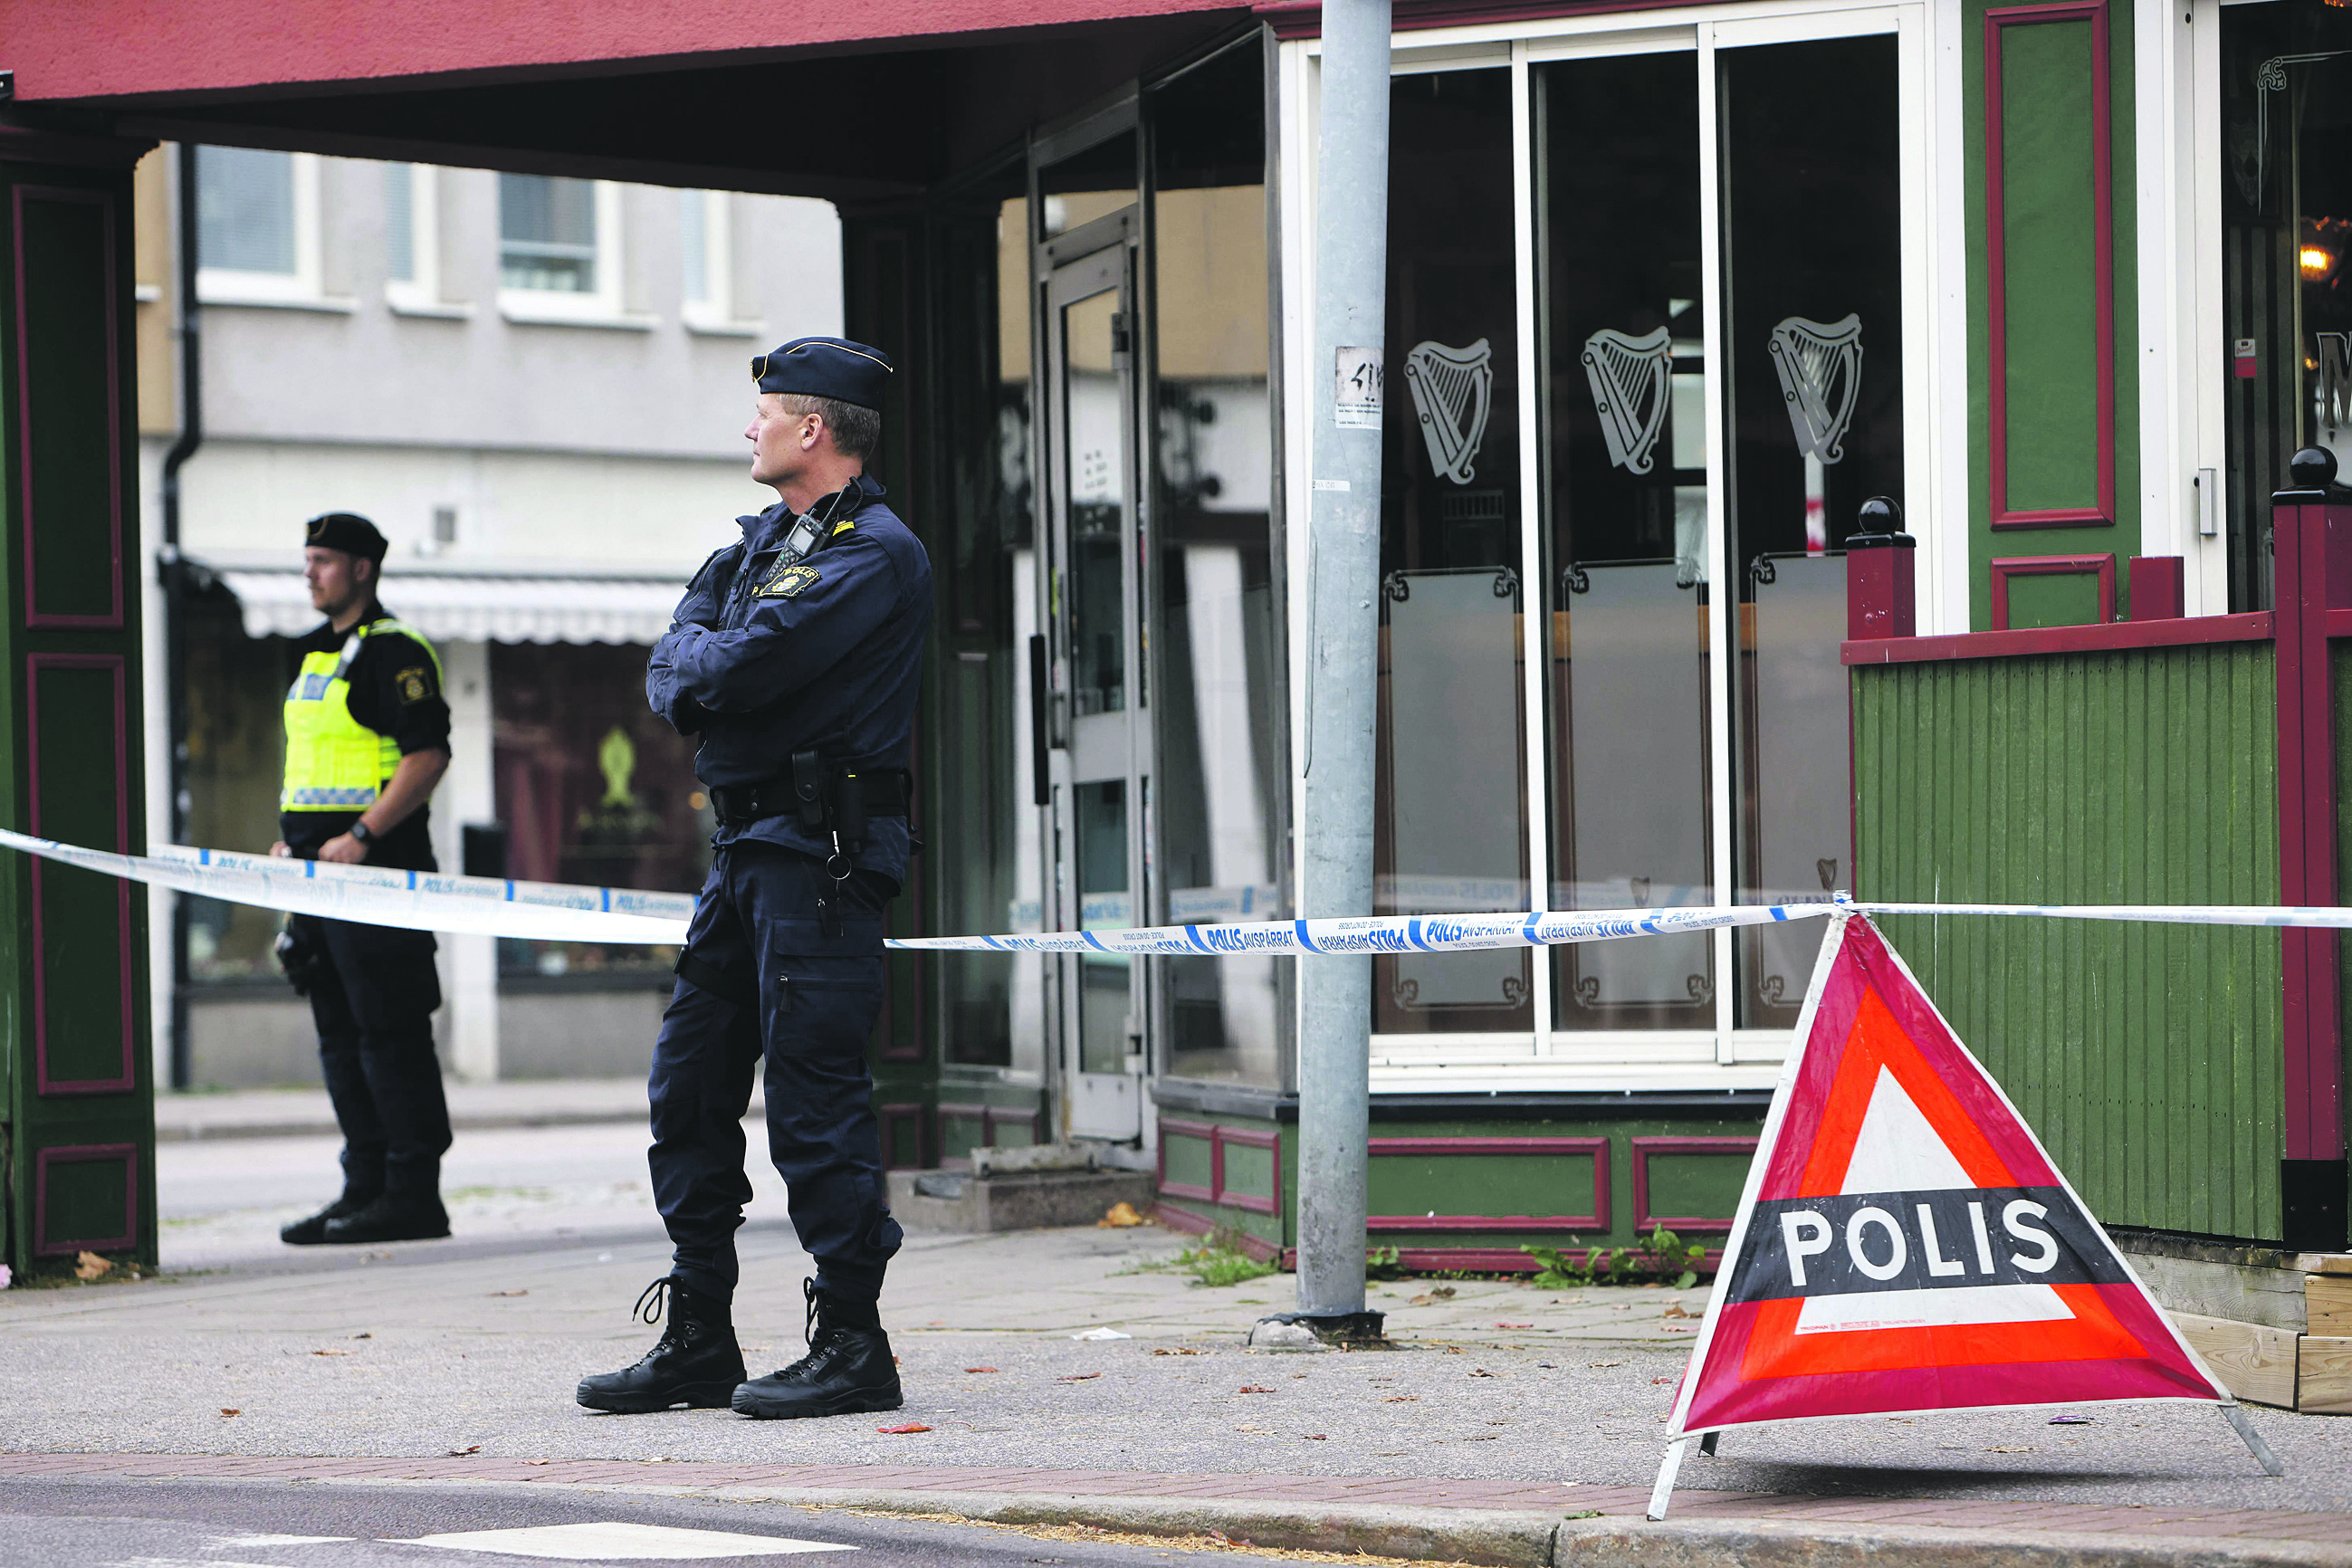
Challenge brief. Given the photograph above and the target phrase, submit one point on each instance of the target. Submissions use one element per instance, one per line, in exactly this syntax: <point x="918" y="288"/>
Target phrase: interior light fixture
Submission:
<point x="2317" y="260"/>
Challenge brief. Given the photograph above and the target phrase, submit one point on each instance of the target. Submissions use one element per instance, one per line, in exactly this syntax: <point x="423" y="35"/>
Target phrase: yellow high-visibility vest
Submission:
<point x="334" y="762"/>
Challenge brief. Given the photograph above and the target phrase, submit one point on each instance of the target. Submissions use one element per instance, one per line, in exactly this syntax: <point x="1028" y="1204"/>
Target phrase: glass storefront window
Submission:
<point x="1626" y="344"/>
<point x="1449" y="802"/>
<point x="1220" y="774"/>
<point x="2286" y="261"/>
<point x="592" y="789"/>
<point x="984" y="863"/>
<point x="236" y="688"/>
<point x="1814" y="411"/>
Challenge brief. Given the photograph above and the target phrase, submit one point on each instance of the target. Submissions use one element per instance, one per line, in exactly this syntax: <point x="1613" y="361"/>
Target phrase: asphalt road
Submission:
<point x="279" y="1524"/>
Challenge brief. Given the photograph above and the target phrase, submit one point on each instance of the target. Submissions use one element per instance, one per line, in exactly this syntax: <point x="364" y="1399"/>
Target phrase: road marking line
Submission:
<point x="617" y="1540"/>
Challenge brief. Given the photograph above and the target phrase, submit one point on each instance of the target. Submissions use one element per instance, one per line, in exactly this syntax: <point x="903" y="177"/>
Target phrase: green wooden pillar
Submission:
<point x="77" y="1086"/>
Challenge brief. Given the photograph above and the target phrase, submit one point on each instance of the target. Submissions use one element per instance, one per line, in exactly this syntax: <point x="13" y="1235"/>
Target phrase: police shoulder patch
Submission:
<point x="788" y="583"/>
<point x="414" y="687"/>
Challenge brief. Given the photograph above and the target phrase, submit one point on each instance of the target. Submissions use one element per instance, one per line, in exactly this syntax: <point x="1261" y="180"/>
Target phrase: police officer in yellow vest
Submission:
<point x="367" y="737"/>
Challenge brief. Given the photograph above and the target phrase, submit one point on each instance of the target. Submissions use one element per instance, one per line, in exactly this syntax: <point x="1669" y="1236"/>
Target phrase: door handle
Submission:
<point x="1040" y="788"/>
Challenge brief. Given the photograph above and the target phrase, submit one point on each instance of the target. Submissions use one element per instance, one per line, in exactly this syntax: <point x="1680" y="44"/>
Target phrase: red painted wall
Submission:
<point x="112" y="49"/>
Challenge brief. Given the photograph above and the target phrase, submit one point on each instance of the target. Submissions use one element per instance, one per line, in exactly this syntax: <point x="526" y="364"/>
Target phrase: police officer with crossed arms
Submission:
<point x="367" y="737"/>
<point x="795" y="657"/>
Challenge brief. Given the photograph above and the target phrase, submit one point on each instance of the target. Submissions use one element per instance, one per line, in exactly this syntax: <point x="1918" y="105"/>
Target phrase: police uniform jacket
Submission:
<point x="766" y="657"/>
<point x="395" y="690"/>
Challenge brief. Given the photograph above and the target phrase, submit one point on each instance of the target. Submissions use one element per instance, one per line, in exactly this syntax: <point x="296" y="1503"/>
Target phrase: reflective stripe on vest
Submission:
<point x="334" y="762"/>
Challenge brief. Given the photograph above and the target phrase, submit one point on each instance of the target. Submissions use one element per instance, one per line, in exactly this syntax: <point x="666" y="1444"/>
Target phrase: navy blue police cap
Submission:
<point x="825" y="368"/>
<point x="347" y="531"/>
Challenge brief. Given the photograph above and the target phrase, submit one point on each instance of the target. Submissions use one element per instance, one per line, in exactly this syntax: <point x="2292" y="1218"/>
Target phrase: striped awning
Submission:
<point x="511" y="605"/>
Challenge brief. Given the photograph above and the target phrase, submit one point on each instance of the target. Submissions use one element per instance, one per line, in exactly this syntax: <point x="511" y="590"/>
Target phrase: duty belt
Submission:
<point x="883" y="792"/>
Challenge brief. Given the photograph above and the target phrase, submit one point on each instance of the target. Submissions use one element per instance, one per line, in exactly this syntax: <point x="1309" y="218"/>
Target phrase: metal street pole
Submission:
<point x="1344" y="396"/>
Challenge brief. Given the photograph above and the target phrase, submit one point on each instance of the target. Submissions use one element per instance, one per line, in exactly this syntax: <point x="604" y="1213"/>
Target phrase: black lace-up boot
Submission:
<point x="312" y="1231"/>
<point x="848" y="1367"/>
<point x="694" y="1364"/>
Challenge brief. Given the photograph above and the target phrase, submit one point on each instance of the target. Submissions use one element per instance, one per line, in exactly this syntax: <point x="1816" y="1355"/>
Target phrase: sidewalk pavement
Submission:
<point x="473" y="1107"/>
<point x="1504" y="1409"/>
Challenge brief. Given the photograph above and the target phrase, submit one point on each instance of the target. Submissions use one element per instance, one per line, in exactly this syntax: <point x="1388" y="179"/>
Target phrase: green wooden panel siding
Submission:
<point x="81" y="918"/>
<point x="959" y="1136"/>
<point x="1696" y="1186"/>
<point x="86" y="1198"/>
<point x="1494" y="1186"/>
<point x="1185" y="1160"/>
<point x="2046" y="167"/>
<point x="2147" y="1057"/>
<point x="67" y="358"/>
<point x="2054" y="599"/>
<point x="1249" y="1171"/>
<point x="2053" y="376"/>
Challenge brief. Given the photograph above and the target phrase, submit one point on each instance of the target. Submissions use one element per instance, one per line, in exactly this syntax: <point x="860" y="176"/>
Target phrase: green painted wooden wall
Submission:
<point x="2043" y="133"/>
<point x="2147" y="1057"/>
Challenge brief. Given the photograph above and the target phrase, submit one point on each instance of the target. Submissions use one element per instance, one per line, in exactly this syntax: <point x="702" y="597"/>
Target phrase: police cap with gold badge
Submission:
<point x="825" y="368"/>
<point x="347" y="531"/>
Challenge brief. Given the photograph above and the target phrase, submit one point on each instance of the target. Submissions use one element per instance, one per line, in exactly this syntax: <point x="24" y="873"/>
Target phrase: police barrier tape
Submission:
<point x="555" y="911"/>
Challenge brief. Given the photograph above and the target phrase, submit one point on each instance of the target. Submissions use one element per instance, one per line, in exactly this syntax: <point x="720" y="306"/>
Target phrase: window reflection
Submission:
<point x="1219" y="774"/>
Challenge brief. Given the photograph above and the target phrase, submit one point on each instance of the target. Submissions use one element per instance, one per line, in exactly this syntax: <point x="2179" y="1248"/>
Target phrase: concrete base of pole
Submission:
<point x="1346" y="1331"/>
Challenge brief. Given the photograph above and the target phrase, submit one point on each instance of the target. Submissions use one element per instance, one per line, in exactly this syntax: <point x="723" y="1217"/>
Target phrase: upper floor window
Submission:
<point x="411" y="241"/>
<point x="558" y="247"/>
<point x="256" y="225"/>
<point x="708" y="296"/>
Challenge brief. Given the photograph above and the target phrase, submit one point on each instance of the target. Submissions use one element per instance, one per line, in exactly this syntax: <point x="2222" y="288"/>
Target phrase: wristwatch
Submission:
<point x="362" y="834"/>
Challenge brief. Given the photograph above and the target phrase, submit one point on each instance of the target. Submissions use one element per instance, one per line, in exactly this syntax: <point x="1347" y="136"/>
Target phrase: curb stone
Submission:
<point x="1771" y="1544"/>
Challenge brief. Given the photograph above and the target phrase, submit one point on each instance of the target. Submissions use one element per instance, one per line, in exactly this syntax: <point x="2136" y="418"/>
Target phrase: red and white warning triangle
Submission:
<point x="1905" y="1242"/>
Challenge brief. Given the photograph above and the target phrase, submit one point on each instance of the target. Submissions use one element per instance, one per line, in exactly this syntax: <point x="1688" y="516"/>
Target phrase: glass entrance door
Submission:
<point x="1100" y="770"/>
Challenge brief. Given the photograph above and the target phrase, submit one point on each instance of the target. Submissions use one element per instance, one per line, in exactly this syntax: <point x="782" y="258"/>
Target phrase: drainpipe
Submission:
<point x="174" y="581"/>
<point x="1343" y="397"/>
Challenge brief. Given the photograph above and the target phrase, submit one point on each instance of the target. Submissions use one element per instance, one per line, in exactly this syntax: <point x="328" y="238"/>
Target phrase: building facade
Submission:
<point x="1672" y="289"/>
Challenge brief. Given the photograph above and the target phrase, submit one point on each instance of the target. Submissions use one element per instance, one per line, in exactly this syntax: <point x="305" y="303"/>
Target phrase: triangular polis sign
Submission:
<point x="1905" y="1242"/>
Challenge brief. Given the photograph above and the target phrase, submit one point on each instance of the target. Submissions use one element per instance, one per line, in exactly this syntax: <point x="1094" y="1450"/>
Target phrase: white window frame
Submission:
<point x="555" y="306"/>
<point x="419" y="294"/>
<point x="299" y="290"/>
<point x="1935" y="443"/>
<point x="714" y="315"/>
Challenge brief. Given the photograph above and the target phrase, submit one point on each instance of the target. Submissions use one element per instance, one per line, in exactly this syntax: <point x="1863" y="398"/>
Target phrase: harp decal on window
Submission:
<point x="1453" y="391"/>
<point x="1821" y="379"/>
<point x="1630" y="377"/>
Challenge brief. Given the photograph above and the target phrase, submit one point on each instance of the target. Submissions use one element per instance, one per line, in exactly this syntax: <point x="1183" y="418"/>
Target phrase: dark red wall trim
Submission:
<point x="2005" y="567"/>
<point x="1643" y="1148"/>
<point x="35" y="666"/>
<point x="2114" y="635"/>
<point x="1304" y="18"/>
<point x="33" y="618"/>
<point x="2103" y="265"/>
<point x="85" y="1155"/>
<point x="1219" y="1138"/>
<point x="1597" y="1148"/>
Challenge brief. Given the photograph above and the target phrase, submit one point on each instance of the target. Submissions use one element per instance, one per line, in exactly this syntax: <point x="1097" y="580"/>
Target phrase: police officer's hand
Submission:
<point x="280" y="850"/>
<point x="343" y="850"/>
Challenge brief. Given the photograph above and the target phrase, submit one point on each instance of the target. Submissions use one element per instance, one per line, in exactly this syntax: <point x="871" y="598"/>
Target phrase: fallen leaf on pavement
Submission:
<point x="980" y="1368"/>
<point x="1675" y="1310"/>
<point x="331" y="1352"/>
<point x="1434" y="1293"/>
<point x="536" y="1461"/>
<point x="2011" y="1448"/>
<point x="362" y="1336"/>
<point x="1480" y="1372"/>
<point x="1402" y="1399"/>
<point x="1178" y="1350"/>
<point x="1514" y="1325"/>
<point x="1655" y="1381"/>
<point x="909" y="1426"/>
<point x="461" y="1453"/>
<point x="1254" y="1388"/>
<point x="510" y="1292"/>
<point x="226" y="1411"/>
<point x="1082" y="1377"/>
<point x="1119" y="1216"/>
<point x="1315" y="1436"/>
<point x="89" y="1265"/>
<point x="1600" y="1363"/>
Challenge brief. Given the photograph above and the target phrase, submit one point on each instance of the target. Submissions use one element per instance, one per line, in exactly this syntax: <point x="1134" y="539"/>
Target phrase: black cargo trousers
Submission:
<point x="763" y="979"/>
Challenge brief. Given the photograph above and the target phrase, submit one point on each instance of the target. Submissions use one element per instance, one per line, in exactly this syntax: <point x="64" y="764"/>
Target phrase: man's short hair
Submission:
<point x="856" y="429"/>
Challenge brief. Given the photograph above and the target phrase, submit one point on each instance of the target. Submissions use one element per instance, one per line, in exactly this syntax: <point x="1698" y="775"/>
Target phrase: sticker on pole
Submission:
<point x="1358" y="390"/>
<point x="1905" y="1242"/>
